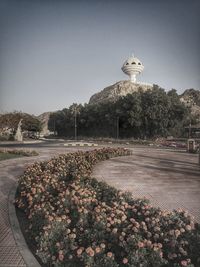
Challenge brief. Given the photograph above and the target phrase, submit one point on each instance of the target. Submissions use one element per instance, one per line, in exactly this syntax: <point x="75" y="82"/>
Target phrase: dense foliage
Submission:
<point x="77" y="221"/>
<point x="142" y="114"/>
<point x="11" y="121"/>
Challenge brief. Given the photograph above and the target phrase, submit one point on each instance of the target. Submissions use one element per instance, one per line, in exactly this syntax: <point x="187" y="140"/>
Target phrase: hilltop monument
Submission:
<point x="132" y="67"/>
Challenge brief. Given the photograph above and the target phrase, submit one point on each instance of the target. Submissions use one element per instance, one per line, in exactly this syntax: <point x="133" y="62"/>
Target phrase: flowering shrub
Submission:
<point x="77" y="221"/>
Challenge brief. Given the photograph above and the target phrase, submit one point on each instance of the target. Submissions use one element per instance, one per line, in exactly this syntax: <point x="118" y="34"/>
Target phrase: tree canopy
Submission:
<point x="11" y="121"/>
<point x="140" y="115"/>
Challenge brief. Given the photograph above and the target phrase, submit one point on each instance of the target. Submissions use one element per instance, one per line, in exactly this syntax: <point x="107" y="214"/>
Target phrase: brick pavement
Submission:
<point x="10" y="255"/>
<point x="170" y="179"/>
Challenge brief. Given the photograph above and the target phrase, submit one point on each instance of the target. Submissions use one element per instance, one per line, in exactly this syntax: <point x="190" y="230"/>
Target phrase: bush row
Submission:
<point x="76" y="220"/>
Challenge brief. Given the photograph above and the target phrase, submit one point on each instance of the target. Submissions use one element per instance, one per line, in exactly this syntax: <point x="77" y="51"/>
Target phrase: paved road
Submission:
<point x="169" y="179"/>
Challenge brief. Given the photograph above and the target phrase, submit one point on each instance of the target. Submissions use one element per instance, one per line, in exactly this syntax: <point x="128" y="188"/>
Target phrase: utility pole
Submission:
<point x="54" y="126"/>
<point x="190" y="129"/>
<point x="117" y="128"/>
<point x="75" y="124"/>
<point x="199" y="153"/>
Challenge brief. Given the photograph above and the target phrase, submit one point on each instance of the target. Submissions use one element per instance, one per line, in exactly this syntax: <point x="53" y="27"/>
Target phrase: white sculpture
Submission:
<point x="132" y="66"/>
<point x="18" y="135"/>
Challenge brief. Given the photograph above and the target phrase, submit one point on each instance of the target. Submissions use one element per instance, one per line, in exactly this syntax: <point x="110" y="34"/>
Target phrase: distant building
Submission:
<point x="132" y="67"/>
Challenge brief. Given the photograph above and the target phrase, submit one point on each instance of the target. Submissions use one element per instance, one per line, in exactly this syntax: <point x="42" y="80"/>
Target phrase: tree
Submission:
<point x="142" y="114"/>
<point x="129" y="111"/>
<point x="179" y="114"/>
<point x="155" y="108"/>
<point x="11" y="121"/>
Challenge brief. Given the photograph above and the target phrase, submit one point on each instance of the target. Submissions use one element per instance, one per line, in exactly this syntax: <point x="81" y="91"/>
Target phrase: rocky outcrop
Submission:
<point x="191" y="98"/>
<point x="44" y="118"/>
<point x="115" y="91"/>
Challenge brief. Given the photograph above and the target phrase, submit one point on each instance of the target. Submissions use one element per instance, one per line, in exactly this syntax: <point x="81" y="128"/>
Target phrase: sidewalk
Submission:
<point x="9" y="251"/>
<point x="170" y="179"/>
<point x="10" y="255"/>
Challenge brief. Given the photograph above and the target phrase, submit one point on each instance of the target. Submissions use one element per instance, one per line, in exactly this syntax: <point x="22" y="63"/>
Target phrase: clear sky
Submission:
<point x="54" y="53"/>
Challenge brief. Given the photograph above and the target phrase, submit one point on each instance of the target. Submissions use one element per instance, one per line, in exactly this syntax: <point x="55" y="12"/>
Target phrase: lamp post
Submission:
<point x="199" y="153"/>
<point x="190" y="129"/>
<point x="75" y="124"/>
<point x="74" y="112"/>
<point x="54" y="126"/>
<point x="117" y="127"/>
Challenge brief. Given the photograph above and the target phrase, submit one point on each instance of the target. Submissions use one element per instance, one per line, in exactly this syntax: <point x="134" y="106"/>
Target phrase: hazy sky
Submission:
<point x="54" y="53"/>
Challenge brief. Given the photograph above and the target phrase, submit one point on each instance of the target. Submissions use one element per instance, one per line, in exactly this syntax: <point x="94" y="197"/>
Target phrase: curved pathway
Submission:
<point x="170" y="179"/>
<point x="10" y="170"/>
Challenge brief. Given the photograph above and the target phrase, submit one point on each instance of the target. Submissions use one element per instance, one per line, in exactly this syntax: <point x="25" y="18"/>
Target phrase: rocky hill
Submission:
<point x="191" y="98"/>
<point x="115" y="91"/>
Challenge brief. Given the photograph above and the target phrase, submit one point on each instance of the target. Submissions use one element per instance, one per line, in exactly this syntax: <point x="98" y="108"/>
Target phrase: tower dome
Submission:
<point x="132" y="66"/>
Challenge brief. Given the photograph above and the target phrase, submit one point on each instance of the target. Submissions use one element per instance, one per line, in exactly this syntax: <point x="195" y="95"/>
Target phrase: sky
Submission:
<point x="55" y="53"/>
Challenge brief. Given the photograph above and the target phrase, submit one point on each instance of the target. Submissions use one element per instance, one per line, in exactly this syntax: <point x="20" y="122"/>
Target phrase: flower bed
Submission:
<point x="75" y="220"/>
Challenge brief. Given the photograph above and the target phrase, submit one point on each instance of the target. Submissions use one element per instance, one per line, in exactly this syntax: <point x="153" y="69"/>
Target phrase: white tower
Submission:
<point x="132" y="66"/>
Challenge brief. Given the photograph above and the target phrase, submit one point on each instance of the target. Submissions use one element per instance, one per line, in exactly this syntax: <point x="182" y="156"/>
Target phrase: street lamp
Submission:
<point x="117" y="127"/>
<point x="75" y="112"/>
<point x="54" y="125"/>
<point x="190" y="129"/>
<point x="75" y="123"/>
<point x="199" y="153"/>
<point x="118" y="113"/>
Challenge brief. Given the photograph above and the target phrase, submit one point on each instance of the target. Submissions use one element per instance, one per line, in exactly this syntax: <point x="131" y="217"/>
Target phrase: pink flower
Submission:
<point x="97" y="249"/>
<point x="125" y="261"/>
<point x="109" y="254"/>
<point x="140" y="244"/>
<point x="61" y="257"/>
<point x="79" y="251"/>
<point x="188" y="227"/>
<point x="184" y="263"/>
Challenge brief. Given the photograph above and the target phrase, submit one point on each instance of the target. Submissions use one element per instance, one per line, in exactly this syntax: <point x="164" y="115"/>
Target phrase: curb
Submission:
<point x="80" y="144"/>
<point x="33" y="142"/>
<point x="28" y="257"/>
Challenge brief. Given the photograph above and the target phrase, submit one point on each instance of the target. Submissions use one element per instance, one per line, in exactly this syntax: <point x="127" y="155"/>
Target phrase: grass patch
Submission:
<point x="5" y="155"/>
<point x="10" y="154"/>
